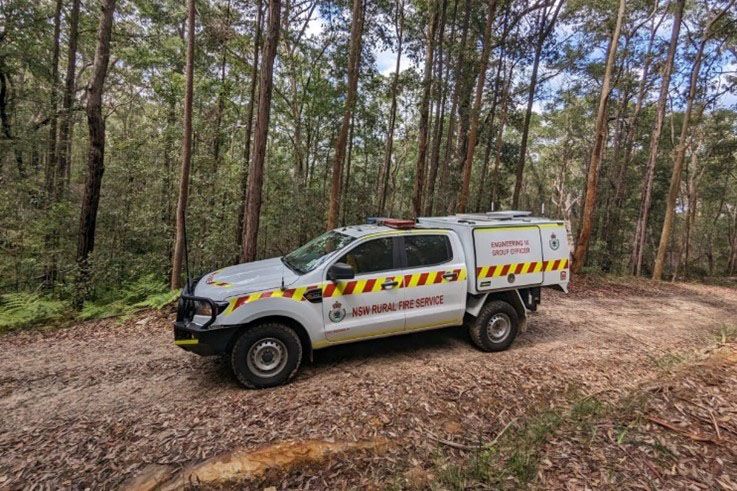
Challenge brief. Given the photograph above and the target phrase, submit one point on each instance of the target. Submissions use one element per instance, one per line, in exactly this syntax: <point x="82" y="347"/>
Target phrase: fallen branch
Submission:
<point x="459" y="446"/>
<point x="692" y="436"/>
<point x="499" y="435"/>
<point x="716" y="425"/>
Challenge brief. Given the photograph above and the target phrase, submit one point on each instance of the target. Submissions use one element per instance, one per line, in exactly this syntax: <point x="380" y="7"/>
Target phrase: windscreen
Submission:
<point x="312" y="254"/>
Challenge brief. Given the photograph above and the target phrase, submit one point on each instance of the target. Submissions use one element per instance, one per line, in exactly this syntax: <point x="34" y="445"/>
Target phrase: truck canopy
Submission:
<point x="509" y="249"/>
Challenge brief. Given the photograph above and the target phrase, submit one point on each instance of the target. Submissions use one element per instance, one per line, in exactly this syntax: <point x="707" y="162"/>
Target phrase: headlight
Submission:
<point x="203" y="308"/>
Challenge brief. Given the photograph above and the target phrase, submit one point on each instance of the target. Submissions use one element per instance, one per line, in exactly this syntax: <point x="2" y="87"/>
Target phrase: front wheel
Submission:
<point x="495" y="327"/>
<point x="266" y="356"/>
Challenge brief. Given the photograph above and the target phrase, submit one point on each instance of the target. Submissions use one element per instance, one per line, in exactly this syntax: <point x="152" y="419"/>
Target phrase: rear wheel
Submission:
<point x="266" y="356"/>
<point x="495" y="327"/>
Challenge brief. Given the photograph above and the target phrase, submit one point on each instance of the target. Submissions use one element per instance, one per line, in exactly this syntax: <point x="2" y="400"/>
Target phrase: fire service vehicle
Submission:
<point x="386" y="277"/>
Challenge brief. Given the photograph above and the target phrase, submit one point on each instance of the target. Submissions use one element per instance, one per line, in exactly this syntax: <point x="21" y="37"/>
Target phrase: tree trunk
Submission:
<point x="386" y="166"/>
<point x="638" y="246"/>
<point x="582" y="244"/>
<point x="261" y="133"/>
<point x="675" y="181"/>
<point x="249" y="127"/>
<point x="424" y="114"/>
<point x="545" y="29"/>
<point x="53" y="105"/>
<point x="443" y="77"/>
<point x="180" y="241"/>
<point x="449" y="141"/>
<point x="475" y="110"/>
<point x="96" y="155"/>
<point x="345" y="199"/>
<point x="6" y="127"/>
<point x="340" y="145"/>
<point x="499" y="140"/>
<point x="65" y="127"/>
<point x="614" y="241"/>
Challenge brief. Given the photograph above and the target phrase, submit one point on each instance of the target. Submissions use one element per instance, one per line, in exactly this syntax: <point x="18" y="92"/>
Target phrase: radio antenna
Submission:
<point x="186" y="254"/>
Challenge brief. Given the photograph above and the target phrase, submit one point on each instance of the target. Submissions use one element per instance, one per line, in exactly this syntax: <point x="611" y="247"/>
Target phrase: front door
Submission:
<point x="434" y="281"/>
<point x="370" y="304"/>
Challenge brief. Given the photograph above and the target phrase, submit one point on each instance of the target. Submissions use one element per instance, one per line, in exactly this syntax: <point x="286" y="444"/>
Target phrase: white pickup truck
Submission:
<point x="367" y="281"/>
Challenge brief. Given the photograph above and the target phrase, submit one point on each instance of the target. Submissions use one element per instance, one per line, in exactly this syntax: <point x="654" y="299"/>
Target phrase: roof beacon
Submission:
<point x="397" y="223"/>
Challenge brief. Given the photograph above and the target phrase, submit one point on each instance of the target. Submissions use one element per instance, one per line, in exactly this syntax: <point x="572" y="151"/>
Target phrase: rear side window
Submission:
<point x="427" y="250"/>
<point x="372" y="256"/>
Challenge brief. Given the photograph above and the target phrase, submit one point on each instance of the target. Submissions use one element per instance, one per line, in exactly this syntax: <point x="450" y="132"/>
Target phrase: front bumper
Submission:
<point x="200" y="338"/>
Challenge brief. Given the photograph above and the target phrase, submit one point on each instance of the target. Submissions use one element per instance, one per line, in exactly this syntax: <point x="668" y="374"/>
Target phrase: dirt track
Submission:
<point x="93" y="404"/>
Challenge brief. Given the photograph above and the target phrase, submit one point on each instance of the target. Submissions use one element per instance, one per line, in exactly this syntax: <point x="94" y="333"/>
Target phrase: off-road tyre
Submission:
<point x="484" y="329"/>
<point x="260" y="342"/>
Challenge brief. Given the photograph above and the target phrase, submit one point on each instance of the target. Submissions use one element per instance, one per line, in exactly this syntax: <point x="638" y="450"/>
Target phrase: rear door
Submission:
<point x="508" y="257"/>
<point x="434" y="281"/>
<point x="369" y="304"/>
<point x="556" y="254"/>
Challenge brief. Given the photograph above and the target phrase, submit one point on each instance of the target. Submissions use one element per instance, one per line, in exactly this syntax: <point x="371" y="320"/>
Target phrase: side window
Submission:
<point x="427" y="250"/>
<point x="372" y="256"/>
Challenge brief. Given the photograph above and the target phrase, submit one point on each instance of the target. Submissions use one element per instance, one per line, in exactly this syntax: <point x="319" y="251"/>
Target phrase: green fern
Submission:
<point x="147" y="292"/>
<point x="19" y="310"/>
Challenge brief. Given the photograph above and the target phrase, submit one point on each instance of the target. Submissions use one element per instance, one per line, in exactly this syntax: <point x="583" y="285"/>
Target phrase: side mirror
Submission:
<point x="341" y="271"/>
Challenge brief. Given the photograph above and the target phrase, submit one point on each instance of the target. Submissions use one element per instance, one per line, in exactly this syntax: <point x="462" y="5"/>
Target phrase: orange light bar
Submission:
<point x="397" y="223"/>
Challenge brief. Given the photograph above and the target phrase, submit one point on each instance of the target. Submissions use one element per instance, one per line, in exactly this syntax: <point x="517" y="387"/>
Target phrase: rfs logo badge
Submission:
<point x="337" y="313"/>
<point x="554" y="242"/>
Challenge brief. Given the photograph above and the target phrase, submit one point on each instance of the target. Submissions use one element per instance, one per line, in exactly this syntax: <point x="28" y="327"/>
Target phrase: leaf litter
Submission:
<point x="93" y="405"/>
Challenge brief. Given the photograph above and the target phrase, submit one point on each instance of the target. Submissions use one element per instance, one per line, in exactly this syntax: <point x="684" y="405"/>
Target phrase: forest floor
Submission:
<point x="621" y="383"/>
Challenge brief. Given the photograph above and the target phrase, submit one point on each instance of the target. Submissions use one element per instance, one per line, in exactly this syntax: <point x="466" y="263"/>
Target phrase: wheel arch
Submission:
<point x="474" y="304"/>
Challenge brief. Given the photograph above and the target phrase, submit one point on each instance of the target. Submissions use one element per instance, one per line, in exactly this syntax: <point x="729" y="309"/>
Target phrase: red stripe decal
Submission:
<point x="519" y="267"/>
<point x="407" y="279"/>
<point x="288" y="293"/>
<point x="240" y="301"/>
<point x="422" y="280"/>
<point x="348" y="290"/>
<point x="266" y="294"/>
<point x="438" y="276"/>
<point x="556" y="263"/>
<point x="478" y="271"/>
<point x="531" y="269"/>
<point x="490" y="271"/>
<point x="544" y="266"/>
<point x="369" y="285"/>
<point x="505" y="270"/>
<point x="329" y="289"/>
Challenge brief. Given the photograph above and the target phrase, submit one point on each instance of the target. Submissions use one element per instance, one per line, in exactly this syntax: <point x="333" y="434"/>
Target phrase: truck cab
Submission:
<point x="373" y="280"/>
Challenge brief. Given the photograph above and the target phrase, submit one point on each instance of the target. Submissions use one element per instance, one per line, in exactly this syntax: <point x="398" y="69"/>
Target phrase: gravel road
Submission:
<point x="91" y="404"/>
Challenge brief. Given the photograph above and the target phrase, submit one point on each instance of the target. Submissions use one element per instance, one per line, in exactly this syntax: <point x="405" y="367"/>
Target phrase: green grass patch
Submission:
<point x="668" y="361"/>
<point x="513" y="460"/>
<point x="727" y="333"/>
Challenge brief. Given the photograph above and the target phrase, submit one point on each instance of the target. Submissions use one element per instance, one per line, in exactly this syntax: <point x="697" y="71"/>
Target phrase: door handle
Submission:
<point x="450" y="276"/>
<point x="388" y="285"/>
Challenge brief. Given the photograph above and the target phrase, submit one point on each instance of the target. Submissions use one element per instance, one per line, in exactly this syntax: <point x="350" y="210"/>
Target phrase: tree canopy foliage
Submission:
<point x="425" y="107"/>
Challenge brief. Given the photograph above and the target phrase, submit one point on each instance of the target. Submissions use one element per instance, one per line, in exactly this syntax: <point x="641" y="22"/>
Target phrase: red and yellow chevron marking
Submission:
<point x="353" y="287"/>
<point x="210" y="280"/>
<point x="223" y="284"/>
<point x="297" y="294"/>
<point x="494" y="271"/>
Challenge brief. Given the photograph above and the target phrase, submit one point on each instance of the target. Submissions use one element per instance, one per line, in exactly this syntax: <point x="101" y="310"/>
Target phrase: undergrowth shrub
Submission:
<point x="24" y="309"/>
<point x="146" y="292"/>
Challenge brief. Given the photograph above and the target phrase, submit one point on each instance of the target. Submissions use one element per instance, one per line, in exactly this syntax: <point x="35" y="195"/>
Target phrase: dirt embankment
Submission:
<point x="94" y="404"/>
